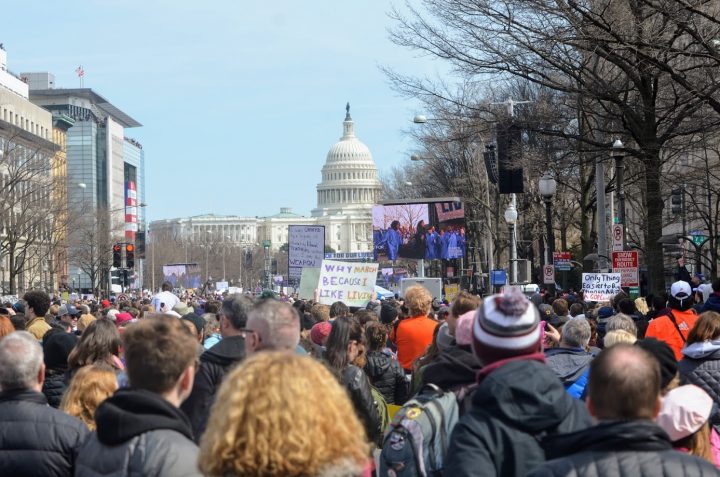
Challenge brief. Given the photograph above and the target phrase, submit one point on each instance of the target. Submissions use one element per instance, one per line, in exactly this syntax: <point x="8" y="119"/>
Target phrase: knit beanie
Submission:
<point x="506" y="325"/>
<point x="464" y="328"/>
<point x="56" y="349"/>
<point x="320" y="332"/>
<point x="665" y="356"/>
<point x="388" y="313"/>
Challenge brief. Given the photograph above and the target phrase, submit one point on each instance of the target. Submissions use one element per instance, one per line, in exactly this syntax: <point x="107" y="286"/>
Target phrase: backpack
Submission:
<point x="382" y="408"/>
<point x="416" y="442"/>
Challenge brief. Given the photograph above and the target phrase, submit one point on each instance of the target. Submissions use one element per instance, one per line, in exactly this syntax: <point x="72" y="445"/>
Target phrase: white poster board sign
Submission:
<point x="221" y="286"/>
<point x="600" y="286"/>
<point x="349" y="282"/>
<point x="306" y="249"/>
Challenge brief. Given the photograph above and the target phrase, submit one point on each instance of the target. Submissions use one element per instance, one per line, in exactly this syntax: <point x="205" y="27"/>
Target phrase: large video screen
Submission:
<point x="428" y="230"/>
<point x="182" y="275"/>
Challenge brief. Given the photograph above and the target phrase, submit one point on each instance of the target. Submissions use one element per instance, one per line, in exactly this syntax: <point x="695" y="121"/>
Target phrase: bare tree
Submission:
<point x="92" y="239"/>
<point x="615" y="55"/>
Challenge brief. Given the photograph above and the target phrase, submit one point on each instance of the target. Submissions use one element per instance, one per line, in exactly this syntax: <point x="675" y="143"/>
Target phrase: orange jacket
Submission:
<point x="412" y="336"/>
<point x="663" y="329"/>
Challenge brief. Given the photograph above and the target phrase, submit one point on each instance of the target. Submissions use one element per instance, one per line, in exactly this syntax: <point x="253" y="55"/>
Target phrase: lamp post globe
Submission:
<point x="547" y="186"/>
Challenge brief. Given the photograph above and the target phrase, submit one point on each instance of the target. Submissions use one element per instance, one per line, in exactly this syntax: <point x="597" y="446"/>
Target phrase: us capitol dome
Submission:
<point x="347" y="192"/>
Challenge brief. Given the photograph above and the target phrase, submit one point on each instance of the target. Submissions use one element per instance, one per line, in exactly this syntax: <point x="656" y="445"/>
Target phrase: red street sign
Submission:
<point x="626" y="264"/>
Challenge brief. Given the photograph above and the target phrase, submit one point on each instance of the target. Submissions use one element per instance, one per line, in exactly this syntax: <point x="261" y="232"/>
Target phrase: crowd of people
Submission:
<point x="274" y="386"/>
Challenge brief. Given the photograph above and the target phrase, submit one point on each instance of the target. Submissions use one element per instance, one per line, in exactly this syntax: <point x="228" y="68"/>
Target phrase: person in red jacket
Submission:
<point x="414" y="334"/>
<point x="674" y="327"/>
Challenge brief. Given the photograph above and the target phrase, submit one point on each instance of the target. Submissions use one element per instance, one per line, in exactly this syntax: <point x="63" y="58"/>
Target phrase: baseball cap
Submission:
<point x="680" y="289"/>
<point x="684" y="411"/>
<point x="68" y="310"/>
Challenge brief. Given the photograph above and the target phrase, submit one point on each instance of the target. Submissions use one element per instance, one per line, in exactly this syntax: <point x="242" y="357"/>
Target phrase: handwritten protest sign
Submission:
<point x="309" y="283"/>
<point x="349" y="282"/>
<point x="600" y="286"/>
<point x="306" y="249"/>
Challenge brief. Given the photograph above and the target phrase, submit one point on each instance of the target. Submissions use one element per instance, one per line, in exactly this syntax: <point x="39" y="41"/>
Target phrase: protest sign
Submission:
<point x="221" y="286"/>
<point x="451" y="291"/>
<point x="349" y="282"/>
<point x="308" y="283"/>
<point x="626" y="264"/>
<point x="306" y="249"/>
<point x="600" y="286"/>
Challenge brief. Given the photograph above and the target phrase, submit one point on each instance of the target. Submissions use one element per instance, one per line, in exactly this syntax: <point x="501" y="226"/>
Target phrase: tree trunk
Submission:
<point x="653" y="232"/>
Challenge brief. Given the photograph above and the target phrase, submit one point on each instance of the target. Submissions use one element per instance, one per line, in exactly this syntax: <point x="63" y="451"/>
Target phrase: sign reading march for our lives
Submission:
<point x="349" y="282"/>
<point x="600" y="286"/>
<point x="306" y="249"/>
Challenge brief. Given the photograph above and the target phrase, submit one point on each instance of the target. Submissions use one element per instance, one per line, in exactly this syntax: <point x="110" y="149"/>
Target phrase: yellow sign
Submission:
<point x="451" y="291"/>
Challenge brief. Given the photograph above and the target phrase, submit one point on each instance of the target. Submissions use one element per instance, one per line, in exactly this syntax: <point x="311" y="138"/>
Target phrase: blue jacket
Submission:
<point x="393" y="240"/>
<point x="572" y="366"/>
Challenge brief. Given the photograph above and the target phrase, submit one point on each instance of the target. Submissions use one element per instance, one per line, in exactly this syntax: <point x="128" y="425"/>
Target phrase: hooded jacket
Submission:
<point x="619" y="448"/>
<point x="454" y="367"/>
<point x="36" y="439"/>
<point x="387" y="376"/>
<point x="139" y="433"/>
<point x="512" y="409"/>
<point x="214" y="363"/>
<point x="701" y="366"/>
<point x="571" y="365"/>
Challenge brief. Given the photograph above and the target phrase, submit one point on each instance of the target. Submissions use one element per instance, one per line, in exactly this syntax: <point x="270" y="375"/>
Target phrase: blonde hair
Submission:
<point x="84" y="322"/>
<point x="90" y="386"/>
<point x="418" y="300"/>
<point x="285" y="415"/>
<point x="641" y="305"/>
<point x="618" y="336"/>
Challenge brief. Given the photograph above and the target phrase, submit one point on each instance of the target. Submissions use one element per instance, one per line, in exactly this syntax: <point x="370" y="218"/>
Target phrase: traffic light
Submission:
<point x="117" y="256"/>
<point x="676" y="200"/>
<point x="129" y="255"/>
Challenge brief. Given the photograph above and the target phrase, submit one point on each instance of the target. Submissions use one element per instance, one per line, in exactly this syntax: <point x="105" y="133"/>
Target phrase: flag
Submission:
<point x="80" y="71"/>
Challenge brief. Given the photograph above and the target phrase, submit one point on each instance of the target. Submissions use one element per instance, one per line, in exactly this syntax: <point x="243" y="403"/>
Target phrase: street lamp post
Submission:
<point x="511" y="216"/>
<point x="547" y="188"/>
<point x="618" y="155"/>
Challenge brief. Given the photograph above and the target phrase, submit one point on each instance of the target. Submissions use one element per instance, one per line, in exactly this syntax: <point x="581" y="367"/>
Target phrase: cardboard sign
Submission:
<point x="308" y="283"/>
<point x="349" y="282"/>
<point x="306" y="248"/>
<point x="626" y="264"/>
<point x="221" y="286"/>
<point x="600" y="286"/>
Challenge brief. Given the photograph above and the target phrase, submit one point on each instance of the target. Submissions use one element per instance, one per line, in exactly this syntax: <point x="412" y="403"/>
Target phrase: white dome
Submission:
<point x="349" y="149"/>
<point x="349" y="176"/>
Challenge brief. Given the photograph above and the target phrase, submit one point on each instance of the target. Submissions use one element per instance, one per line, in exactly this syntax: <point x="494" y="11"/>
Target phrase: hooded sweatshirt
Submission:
<point x="512" y="408"/>
<point x="455" y="367"/>
<point x="139" y="433"/>
<point x="214" y="363"/>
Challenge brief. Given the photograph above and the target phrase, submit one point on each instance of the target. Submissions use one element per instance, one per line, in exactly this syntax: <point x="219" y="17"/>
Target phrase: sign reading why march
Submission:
<point x="600" y="286"/>
<point x="348" y="282"/>
<point x="306" y="249"/>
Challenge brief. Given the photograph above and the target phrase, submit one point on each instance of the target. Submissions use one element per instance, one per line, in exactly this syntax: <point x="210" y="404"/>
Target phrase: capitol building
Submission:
<point x="348" y="188"/>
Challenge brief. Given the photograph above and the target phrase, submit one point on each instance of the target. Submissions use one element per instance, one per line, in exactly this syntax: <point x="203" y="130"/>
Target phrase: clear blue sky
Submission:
<point x="239" y="100"/>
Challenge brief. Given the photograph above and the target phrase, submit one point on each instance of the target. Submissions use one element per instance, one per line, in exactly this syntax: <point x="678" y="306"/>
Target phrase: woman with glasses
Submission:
<point x="344" y="345"/>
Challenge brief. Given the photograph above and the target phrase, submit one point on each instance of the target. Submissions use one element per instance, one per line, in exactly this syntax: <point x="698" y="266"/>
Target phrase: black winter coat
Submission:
<point x="387" y="376"/>
<point x="139" y="433"/>
<point x="358" y="387"/>
<point x="456" y="367"/>
<point x="618" y="449"/>
<point x="35" y="439"/>
<point x="54" y="386"/>
<point x="512" y="408"/>
<point x="214" y="363"/>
